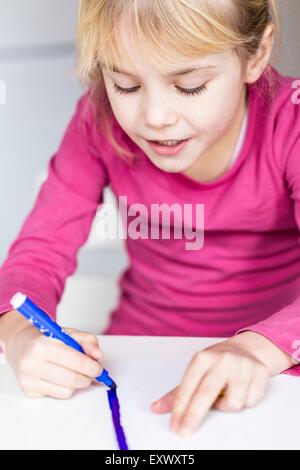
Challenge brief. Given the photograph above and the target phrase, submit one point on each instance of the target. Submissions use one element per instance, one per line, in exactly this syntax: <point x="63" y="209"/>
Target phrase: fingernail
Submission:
<point x="97" y="353"/>
<point x="174" y="427"/>
<point x="184" y="431"/>
<point x="157" y="404"/>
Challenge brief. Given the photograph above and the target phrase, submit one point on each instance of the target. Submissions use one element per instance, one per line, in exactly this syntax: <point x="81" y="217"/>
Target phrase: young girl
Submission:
<point x="174" y="70"/>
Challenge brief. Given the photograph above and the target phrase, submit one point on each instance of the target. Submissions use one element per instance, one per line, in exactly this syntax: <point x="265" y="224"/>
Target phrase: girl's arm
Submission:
<point x="44" y="253"/>
<point x="282" y="329"/>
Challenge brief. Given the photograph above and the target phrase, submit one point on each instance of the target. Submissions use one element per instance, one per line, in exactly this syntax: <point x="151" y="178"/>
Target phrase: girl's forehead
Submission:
<point x="130" y="52"/>
<point x="134" y="64"/>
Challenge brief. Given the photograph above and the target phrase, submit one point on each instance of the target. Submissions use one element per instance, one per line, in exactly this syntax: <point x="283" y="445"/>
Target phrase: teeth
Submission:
<point x="169" y="143"/>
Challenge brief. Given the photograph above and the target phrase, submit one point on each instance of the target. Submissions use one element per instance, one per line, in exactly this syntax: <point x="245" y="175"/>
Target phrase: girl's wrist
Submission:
<point x="267" y="352"/>
<point x="10" y="323"/>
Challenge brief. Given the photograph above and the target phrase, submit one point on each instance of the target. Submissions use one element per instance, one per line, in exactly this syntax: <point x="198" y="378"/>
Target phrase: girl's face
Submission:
<point x="161" y="107"/>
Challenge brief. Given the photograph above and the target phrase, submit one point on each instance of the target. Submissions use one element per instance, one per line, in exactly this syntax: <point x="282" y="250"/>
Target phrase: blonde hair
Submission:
<point x="164" y="31"/>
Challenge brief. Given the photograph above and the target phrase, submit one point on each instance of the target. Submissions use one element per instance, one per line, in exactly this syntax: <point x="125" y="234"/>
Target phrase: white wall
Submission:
<point x="289" y="62"/>
<point x="37" y="66"/>
<point x="36" y="22"/>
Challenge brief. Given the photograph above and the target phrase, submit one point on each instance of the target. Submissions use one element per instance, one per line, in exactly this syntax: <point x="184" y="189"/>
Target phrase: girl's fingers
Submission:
<point x="30" y="394"/>
<point x="166" y="403"/>
<point x="201" y="401"/>
<point x="256" y="392"/>
<point x="42" y="388"/>
<point x="88" y="342"/>
<point x="63" y="377"/>
<point x="235" y="396"/>
<point x="69" y="358"/>
<point x="193" y="375"/>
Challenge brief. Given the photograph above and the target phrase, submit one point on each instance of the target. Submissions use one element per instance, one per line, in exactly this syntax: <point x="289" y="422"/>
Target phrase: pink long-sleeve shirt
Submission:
<point x="246" y="276"/>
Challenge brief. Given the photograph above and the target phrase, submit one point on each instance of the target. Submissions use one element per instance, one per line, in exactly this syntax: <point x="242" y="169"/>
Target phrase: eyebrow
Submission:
<point x="174" y="73"/>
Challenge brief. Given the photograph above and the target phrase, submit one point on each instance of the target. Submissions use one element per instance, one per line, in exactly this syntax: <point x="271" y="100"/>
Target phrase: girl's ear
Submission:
<point x="257" y="64"/>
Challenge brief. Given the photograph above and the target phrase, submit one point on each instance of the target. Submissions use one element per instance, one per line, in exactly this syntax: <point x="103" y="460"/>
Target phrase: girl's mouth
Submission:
<point x="171" y="147"/>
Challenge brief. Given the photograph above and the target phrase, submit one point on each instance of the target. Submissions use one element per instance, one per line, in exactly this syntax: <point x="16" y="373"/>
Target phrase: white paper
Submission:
<point x="270" y="425"/>
<point x="84" y="422"/>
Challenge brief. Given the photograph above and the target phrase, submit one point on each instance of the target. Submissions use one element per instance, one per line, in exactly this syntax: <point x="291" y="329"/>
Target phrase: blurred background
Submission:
<point x="37" y="65"/>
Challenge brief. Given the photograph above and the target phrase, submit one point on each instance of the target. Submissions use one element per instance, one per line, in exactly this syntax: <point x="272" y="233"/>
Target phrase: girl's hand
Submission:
<point x="47" y="367"/>
<point x="226" y="376"/>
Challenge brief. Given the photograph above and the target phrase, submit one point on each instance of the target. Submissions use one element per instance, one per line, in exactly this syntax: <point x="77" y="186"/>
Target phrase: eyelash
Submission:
<point x="184" y="91"/>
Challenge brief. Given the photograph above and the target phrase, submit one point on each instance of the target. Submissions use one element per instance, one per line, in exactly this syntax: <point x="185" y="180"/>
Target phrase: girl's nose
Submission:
<point x="158" y="119"/>
<point x="159" y="114"/>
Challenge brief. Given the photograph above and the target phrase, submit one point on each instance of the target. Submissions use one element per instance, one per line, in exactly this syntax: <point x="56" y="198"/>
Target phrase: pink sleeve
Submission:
<point x="283" y="327"/>
<point x="44" y="253"/>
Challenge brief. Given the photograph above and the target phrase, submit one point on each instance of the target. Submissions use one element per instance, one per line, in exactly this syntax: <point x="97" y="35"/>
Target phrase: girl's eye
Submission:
<point x="192" y="91"/>
<point x="125" y="91"/>
<point x="184" y="91"/>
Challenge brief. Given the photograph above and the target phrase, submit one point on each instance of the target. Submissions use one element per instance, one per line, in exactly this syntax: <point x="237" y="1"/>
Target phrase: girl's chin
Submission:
<point x="171" y="166"/>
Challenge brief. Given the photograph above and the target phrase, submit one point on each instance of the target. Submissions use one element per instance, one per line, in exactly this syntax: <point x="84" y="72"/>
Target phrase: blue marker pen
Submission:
<point x="48" y="327"/>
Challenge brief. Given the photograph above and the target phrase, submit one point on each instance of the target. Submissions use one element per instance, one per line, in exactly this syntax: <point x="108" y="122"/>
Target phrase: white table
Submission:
<point x="145" y="368"/>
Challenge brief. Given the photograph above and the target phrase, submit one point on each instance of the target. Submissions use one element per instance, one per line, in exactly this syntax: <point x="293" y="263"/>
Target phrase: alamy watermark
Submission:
<point x="156" y="221"/>
<point x="2" y="92"/>
<point x="296" y="94"/>
<point x="296" y="353"/>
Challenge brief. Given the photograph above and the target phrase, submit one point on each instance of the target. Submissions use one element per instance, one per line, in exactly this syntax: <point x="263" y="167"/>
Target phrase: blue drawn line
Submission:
<point x="115" y="412"/>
